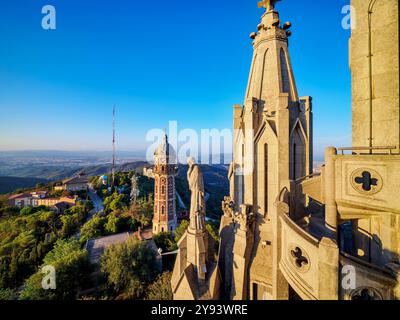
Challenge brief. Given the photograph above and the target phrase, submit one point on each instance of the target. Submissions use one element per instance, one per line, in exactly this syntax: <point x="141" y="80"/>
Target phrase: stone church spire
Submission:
<point x="271" y="70"/>
<point x="273" y="146"/>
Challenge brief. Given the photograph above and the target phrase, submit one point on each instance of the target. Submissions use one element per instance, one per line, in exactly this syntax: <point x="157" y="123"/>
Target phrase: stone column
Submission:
<point x="330" y="203"/>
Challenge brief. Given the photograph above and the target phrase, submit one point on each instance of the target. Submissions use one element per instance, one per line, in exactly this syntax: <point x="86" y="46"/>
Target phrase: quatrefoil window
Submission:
<point x="366" y="294"/>
<point x="299" y="258"/>
<point x="366" y="181"/>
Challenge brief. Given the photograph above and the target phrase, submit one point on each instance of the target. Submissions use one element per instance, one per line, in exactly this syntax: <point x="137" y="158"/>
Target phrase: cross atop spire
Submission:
<point x="269" y="5"/>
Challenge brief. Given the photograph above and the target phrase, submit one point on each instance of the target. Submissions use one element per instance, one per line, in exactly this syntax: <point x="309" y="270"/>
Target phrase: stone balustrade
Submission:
<point x="309" y="265"/>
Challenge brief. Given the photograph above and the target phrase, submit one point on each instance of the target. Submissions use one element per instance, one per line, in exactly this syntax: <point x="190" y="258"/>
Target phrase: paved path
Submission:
<point x="97" y="204"/>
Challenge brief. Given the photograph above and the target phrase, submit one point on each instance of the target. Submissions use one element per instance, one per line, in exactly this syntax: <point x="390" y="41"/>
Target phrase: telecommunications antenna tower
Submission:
<point x="113" y="156"/>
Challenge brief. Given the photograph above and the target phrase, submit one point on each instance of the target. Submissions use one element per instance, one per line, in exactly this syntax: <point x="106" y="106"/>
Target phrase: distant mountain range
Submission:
<point x="29" y="176"/>
<point x="10" y="184"/>
<point x="215" y="177"/>
<point x="54" y="172"/>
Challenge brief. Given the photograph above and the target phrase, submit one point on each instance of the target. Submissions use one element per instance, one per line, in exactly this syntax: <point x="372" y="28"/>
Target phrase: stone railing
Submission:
<point x="363" y="280"/>
<point x="310" y="266"/>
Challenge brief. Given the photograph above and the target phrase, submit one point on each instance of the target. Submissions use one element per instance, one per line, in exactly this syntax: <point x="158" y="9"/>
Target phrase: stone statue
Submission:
<point x="269" y="5"/>
<point x="197" y="203"/>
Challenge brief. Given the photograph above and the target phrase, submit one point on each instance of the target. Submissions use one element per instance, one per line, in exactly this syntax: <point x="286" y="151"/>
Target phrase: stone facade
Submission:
<point x="374" y="63"/>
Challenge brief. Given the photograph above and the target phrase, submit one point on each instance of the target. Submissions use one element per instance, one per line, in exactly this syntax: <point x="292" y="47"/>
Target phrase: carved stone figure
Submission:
<point x="197" y="203"/>
<point x="228" y="207"/>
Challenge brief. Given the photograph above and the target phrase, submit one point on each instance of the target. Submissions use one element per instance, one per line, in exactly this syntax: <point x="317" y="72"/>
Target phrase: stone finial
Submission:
<point x="269" y="5"/>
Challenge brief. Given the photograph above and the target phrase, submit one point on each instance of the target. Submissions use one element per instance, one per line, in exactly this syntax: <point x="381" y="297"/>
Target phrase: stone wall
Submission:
<point x="379" y="62"/>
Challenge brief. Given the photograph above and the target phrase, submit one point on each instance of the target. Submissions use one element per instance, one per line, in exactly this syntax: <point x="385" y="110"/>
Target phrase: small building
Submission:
<point x="38" y="198"/>
<point x="50" y="202"/>
<point x="78" y="183"/>
<point x="39" y="194"/>
<point x="96" y="247"/>
<point x="60" y="207"/>
<point x="20" y="200"/>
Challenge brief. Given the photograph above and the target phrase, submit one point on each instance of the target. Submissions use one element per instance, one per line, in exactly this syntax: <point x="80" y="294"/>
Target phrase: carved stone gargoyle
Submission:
<point x="245" y="217"/>
<point x="228" y="207"/>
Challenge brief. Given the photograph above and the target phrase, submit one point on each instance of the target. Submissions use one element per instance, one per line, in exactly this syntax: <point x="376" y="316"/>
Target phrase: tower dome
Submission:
<point x="165" y="153"/>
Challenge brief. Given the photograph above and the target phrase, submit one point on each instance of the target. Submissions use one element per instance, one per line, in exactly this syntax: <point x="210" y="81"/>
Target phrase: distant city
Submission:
<point x="14" y="163"/>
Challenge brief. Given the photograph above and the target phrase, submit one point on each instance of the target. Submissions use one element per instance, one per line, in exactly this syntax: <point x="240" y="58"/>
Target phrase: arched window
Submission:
<point x="163" y="189"/>
<point x="162" y="210"/>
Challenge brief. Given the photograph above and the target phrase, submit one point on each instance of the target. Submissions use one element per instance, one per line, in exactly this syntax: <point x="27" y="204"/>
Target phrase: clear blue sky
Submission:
<point x="157" y="61"/>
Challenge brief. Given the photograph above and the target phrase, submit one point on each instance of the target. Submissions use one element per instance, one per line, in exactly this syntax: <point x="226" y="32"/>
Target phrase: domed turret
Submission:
<point x="165" y="153"/>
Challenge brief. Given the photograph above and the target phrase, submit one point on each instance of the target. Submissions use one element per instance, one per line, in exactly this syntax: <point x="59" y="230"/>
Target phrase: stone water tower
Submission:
<point x="164" y="172"/>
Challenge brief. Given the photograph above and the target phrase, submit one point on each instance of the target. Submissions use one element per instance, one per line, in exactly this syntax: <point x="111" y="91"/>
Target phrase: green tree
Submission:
<point x="8" y="294"/>
<point x="70" y="225"/>
<point x="212" y="229"/>
<point x="116" y="202"/>
<point x="165" y="241"/>
<point x="79" y="211"/>
<point x="24" y="240"/>
<point x="5" y="275"/>
<point x="8" y="211"/>
<point x="181" y="230"/>
<point x="26" y="211"/>
<point x="160" y="289"/>
<point x="89" y="206"/>
<point x="142" y="211"/>
<point x="114" y="224"/>
<point x="72" y="273"/>
<point x="129" y="268"/>
<point x="94" y="228"/>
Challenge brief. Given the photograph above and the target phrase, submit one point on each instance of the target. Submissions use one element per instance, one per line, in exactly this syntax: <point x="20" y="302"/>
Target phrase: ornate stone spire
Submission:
<point x="271" y="72"/>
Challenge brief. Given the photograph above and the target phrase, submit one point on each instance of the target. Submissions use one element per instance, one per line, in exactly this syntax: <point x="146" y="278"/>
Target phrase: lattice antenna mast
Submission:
<point x="113" y="156"/>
